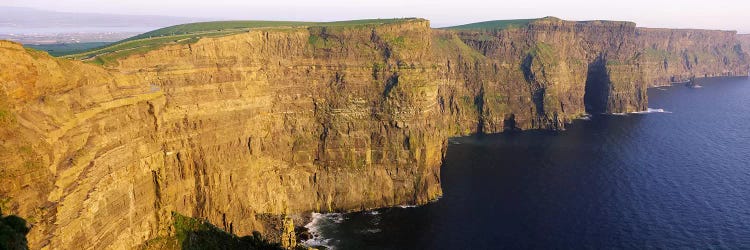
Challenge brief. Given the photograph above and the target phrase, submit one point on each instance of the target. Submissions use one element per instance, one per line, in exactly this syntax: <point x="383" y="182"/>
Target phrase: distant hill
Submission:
<point x="18" y="20"/>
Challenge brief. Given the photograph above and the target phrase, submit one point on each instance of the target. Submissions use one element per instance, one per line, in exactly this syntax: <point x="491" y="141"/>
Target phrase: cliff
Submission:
<point x="562" y="69"/>
<point x="553" y="71"/>
<point x="744" y="42"/>
<point x="245" y="128"/>
<point x="677" y="55"/>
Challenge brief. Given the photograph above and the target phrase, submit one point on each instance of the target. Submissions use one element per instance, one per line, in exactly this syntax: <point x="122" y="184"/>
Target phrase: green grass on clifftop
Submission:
<point x="519" y="23"/>
<point x="497" y="24"/>
<point x="192" y="32"/>
<point x="63" y="49"/>
<point x="243" y="25"/>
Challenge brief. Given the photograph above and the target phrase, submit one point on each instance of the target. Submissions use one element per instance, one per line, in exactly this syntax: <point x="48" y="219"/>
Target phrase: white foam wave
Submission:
<point x="335" y="217"/>
<point x="315" y="228"/>
<point x="650" y="110"/>
<point x="320" y="222"/>
<point x="647" y="111"/>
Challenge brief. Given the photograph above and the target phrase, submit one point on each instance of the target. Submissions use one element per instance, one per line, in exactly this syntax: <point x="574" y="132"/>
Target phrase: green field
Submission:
<point x="62" y="49"/>
<point x="493" y="25"/>
<point x="192" y="32"/>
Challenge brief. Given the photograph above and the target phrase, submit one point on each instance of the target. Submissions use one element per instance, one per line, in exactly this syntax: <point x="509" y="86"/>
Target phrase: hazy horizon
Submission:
<point x="723" y="15"/>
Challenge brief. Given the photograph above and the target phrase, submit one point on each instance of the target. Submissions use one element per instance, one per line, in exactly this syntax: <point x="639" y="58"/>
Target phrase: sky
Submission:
<point x="714" y="14"/>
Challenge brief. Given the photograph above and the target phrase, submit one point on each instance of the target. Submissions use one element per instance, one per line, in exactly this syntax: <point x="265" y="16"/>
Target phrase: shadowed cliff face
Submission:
<point x="558" y="70"/>
<point x="281" y="121"/>
<point x="597" y="88"/>
<point x="744" y="40"/>
<point x="539" y="74"/>
<point x="676" y="55"/>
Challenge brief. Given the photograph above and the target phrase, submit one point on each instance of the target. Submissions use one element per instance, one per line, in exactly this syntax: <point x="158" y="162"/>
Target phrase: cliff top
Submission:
<point x="496" y="24"/>
<point x="733" y="32"/>
<point x="217" y="26"/>
<point x="519" y="23"/>
<point x="192" y="32"/>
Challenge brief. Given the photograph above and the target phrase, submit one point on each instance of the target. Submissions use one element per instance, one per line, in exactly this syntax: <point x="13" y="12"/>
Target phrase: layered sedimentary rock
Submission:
<point x="744" y="42"/>
<point x="243" y="128"/>
<point x="669" y="56"/>
<point x="546" y="74"/>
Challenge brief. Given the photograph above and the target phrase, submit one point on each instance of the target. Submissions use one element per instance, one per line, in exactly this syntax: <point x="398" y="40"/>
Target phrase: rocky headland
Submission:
<point x="251" y="129"/>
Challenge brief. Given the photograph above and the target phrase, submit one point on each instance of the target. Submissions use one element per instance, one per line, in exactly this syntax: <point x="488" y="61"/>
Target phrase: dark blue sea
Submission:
<point x="661" y="180"/>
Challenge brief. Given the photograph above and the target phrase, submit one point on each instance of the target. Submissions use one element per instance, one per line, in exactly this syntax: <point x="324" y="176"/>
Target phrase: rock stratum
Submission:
<point x="241" y="129"/>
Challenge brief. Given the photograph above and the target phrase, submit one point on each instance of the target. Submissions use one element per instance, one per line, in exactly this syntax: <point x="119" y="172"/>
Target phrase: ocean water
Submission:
<point x="677" y="177"/>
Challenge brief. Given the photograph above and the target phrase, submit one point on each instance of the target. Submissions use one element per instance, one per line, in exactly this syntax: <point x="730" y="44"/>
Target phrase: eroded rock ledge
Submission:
<point x="283" y="121"/>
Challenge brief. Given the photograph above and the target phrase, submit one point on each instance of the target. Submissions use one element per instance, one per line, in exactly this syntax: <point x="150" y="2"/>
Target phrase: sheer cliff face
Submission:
<point x="539" y="76"/>
<point x="744" y="40"/>
<point x="676" y="55"/>
<point x="75" y="150"/>
<point x="323" y="119"/>
<point x="553" y="71"/>
<point x="238" y="129"/>
<point x="229" y="129"/>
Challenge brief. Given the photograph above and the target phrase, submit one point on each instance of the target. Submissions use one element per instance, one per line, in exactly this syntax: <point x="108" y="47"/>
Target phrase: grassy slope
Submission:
<point x="497" y="24"/>
<point x="233" y="25"/>
<point x="63" y="49"/>
<point x="189" y="33"/>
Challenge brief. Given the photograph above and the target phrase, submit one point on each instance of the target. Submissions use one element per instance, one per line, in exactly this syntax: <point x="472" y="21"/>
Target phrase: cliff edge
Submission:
<point x="244" y="129"/>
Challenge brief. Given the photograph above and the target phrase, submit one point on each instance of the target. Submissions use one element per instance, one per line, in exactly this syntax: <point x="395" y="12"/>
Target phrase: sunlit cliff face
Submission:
<point x="242" y="128"/>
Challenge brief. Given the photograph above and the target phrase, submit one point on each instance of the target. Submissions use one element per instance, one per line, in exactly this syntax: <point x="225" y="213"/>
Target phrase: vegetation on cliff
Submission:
<point x="13" y="230"/>
<point x="63" y="49"/>
<point x="191" y="233"/>
<point x="190" y="33"/>
<point x="493" y="25"/>
<point x="190" y="28"/>
<point x="285" y="120"/>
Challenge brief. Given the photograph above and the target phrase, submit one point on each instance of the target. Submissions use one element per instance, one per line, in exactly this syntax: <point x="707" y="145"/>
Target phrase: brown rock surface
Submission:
<point x="287" y="120"/>
<point x="677" y="55"/>
<point x="745" y="42"/>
